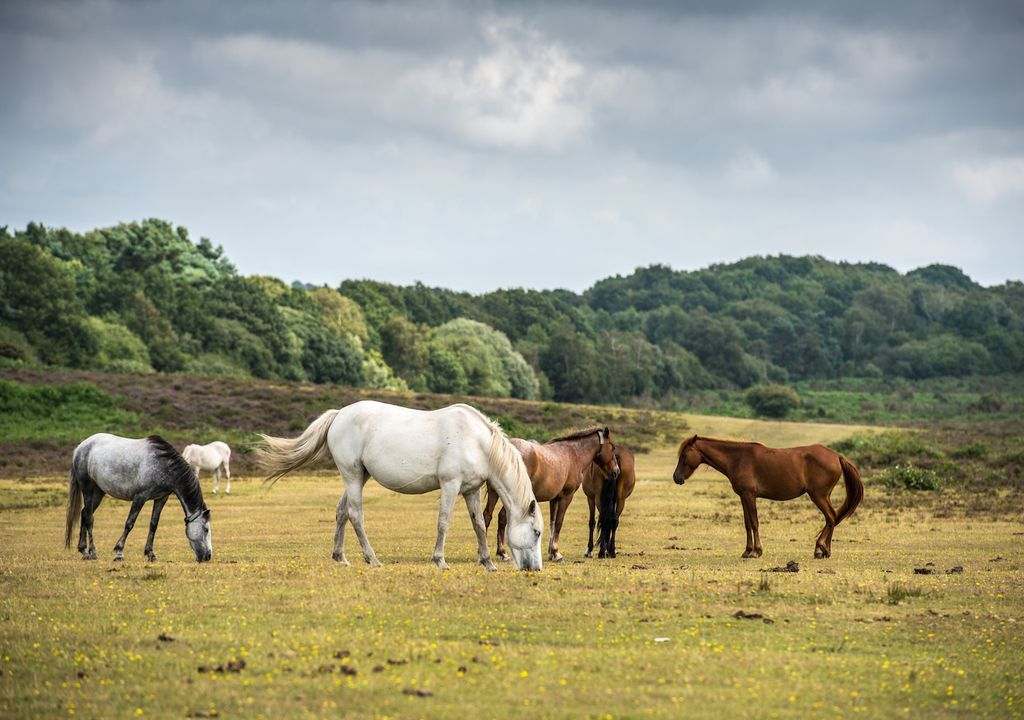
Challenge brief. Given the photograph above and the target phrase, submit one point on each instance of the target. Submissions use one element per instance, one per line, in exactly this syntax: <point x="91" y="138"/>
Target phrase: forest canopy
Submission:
<point x="143" y="297"/>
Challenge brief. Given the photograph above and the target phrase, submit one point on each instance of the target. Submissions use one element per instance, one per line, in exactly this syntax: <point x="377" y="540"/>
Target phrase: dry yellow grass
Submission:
<point x="652" y="633"/>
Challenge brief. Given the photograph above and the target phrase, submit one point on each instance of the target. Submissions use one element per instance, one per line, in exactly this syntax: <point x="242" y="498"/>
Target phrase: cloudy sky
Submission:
<point x="476" y="145"/>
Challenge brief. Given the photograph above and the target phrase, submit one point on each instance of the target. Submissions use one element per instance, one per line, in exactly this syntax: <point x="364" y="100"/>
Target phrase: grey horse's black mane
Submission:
<point x="179" y="472"/>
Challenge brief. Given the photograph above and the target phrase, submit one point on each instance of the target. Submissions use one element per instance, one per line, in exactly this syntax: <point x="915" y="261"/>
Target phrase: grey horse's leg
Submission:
<point x="355" y="478"/>
<point x="341" y="518"/>
<point x="92" y="500"/>
<point x="154" y="520"/>
<point x="449" y="491"/>
<point x="129" y="523"/>
<point x="476" y="517"/>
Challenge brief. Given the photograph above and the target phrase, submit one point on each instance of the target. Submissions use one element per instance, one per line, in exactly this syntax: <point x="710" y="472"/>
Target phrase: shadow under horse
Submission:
<point x="756" y="470"/>
<point x="556" y="473"/>
<point x="611" y="493"/>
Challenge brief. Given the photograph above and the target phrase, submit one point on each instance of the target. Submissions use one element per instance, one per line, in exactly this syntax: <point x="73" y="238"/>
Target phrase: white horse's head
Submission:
<point x="523" y="536"/>
<point x="197" y="530"/>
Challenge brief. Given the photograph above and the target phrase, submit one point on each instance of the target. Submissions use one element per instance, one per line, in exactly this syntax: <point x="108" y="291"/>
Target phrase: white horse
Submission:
<point x="215" y="456"/>
<point x="455" y="449"/>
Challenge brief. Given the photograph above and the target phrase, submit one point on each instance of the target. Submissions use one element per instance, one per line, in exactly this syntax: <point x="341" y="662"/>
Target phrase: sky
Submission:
<point x="485" y="145"/>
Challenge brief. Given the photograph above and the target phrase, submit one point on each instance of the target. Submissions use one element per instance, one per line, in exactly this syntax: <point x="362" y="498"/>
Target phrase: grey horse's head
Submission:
<point x="200" y="537"/>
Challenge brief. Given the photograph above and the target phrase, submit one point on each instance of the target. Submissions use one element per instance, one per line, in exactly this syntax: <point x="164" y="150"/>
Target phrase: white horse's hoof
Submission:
<point x="227" y="492"/>
<point x="214" y="492"/>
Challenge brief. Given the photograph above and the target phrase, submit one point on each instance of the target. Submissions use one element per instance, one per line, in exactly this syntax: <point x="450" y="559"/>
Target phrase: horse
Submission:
<point x="612" y="493"/>
<point x="136" y="470"/>
<point x="214" y="456"/>
<point x="455" y="449"/>
<point x="776" y="474"/>
<point x="556" y="472"/>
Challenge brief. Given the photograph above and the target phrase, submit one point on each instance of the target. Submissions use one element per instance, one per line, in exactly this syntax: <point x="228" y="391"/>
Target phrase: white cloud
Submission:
<point x="990" y="181"/>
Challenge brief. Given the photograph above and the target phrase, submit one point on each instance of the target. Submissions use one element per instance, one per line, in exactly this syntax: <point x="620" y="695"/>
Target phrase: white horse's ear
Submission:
<point x="532" y="510"/>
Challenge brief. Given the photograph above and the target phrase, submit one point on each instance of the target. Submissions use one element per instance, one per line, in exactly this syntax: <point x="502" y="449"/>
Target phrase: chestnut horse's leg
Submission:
<point x="749" y="501"/>
<point x="823" y="546"/>
<point x="615" y="522"/>
<point x="500" y="551"/>
<point x="488" y="513"/>
<point x="558" y="506"/>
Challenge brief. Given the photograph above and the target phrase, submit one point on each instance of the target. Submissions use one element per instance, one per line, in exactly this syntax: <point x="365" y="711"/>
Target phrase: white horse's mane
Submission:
<point x="503" y="457"/>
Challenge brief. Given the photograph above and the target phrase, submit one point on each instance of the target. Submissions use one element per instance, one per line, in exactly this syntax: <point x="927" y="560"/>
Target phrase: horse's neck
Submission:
<point x="719" y="454"/>
<point x="583" y="449"/>
<point x="191" y="498"/>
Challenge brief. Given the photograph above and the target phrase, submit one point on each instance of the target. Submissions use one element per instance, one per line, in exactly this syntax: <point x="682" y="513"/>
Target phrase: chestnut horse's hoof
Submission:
<point x="820" y="554"/>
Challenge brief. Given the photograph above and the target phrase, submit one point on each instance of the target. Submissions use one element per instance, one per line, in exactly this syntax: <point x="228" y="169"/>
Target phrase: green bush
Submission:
<point x="774" y="401"/>
<point x="58" y="412"/>
<point x="976" y="450"/>
<point x="910" y="477"/>
<point x="15" y="346"/>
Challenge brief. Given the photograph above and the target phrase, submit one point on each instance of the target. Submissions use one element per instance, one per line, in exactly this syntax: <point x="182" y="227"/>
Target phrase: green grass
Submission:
<point x="652" y="633"/>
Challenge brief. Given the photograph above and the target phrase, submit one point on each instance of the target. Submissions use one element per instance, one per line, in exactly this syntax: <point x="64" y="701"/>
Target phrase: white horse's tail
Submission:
<point x="282" y="455"/>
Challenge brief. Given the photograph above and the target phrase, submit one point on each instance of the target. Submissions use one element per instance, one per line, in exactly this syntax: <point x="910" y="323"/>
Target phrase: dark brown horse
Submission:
<point x="556" y="472"/>
<point x="776" y="474"/>
<point x="612" y="493"/>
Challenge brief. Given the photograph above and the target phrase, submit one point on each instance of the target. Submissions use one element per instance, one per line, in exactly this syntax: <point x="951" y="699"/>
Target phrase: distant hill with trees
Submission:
<point x="143" y="297"/>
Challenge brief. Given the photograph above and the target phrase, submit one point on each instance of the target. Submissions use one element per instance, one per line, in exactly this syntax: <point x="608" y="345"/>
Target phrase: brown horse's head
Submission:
<point x="605" y="459"/>
<point x="689" y="459"/>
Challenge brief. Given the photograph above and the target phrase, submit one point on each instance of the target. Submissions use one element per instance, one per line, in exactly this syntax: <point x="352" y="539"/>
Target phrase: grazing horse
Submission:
<point x="612" y="493"/>
<point x="455" y="450"/>
<point x="214" y="456"/>
<point x="556" y="472"/>
<point x="136" y="470"/>
<point x="776" y="474"/>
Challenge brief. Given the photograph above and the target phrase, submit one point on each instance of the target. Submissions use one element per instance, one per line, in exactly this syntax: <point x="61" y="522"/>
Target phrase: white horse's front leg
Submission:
<point x="449" y="491"/>
<point x="476" y="517"/>
<point x="227" y="474"/>
<point x="216" y="479"/>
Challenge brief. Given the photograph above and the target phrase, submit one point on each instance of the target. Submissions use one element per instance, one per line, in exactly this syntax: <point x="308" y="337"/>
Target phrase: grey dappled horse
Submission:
<point x="135" y="470"/>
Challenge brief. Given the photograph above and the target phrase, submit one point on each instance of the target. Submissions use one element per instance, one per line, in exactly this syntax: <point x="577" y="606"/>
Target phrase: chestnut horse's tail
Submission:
<point x="854" y="489"/>
<point x="608" y="504"/>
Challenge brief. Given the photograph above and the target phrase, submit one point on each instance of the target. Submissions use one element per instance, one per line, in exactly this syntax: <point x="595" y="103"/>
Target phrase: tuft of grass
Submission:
<point x="897" y="593"/>
<point x="765" y="585"/>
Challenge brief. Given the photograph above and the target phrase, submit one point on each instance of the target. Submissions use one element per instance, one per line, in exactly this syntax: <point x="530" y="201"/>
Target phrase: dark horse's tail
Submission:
<point x="854" y="489"/>
<point x="609" y="505"/>
<point x="74" y="497"/>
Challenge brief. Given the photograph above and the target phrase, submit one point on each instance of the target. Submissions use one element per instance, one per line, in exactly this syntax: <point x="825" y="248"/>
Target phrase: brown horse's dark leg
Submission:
<point x="615" y="525"/>
<point x="823" y="547"/>
<point x="590" y="541"/>
<point x="500" y="550"/>
<point x="492" y="500"/>
<point x="749" y="501"/>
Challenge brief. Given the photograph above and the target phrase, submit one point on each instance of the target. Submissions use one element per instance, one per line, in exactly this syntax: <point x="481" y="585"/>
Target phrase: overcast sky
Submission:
<point x="477" y="145"/>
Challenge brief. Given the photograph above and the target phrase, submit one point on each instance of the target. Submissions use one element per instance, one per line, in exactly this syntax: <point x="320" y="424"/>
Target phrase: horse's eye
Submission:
<point x="536" y="532"/>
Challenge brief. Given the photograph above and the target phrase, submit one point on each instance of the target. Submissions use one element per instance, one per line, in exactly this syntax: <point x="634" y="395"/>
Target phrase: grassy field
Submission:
<point x="273" y="628"/>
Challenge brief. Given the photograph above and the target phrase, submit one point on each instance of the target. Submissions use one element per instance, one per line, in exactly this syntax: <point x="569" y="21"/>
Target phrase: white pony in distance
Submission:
<point x="214" y="456"/>
<point x="455" y="450"/>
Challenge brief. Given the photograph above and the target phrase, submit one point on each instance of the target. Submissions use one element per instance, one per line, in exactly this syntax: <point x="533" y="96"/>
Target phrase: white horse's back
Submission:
<point x="412" y="451"/>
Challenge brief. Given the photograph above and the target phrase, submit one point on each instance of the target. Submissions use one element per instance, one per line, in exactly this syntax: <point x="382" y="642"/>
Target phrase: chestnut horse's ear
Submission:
<point x="607" y="432"/>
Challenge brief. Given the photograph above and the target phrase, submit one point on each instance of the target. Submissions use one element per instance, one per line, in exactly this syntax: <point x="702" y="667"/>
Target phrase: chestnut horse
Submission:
<point x="776" y="474"/>
<point x="612" y="494"/>
<point x="556" y="473"/>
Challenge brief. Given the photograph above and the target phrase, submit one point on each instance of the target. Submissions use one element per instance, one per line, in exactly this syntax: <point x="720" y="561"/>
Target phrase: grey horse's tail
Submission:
<point x="74" y="498"/>
<point x="282" y="455"/>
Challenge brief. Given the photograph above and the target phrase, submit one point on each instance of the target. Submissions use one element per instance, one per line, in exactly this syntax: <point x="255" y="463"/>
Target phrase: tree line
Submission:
<point x="143" y="297"/>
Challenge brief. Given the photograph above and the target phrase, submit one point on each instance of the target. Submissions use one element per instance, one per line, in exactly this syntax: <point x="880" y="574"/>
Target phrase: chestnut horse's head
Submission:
<point x="689" y="459"/>
<point x="605" y="459"/>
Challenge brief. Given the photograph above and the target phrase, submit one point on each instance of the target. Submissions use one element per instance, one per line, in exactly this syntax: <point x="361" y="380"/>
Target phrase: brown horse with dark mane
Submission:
<point x="556" y="472"/>
<point x="611" y="492"/>
<point x="776" y="474"/>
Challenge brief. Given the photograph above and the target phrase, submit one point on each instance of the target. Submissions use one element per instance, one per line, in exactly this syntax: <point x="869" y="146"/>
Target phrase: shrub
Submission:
<point x="774" y="401"/>
<point x="910" y="477"/>
<point x="976" y="450"/>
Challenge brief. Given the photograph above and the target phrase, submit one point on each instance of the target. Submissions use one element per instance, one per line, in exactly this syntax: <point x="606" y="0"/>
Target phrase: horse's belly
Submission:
<point x="408" y="484"/>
